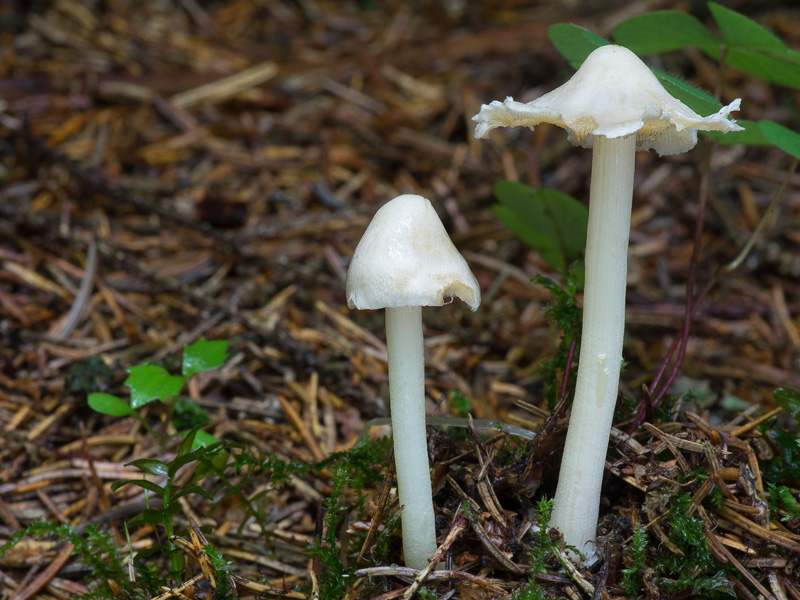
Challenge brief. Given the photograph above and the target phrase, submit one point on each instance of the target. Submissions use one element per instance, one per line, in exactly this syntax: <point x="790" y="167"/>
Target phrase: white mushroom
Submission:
<point x="405" y="260"/>
<point x="615" y="105"/>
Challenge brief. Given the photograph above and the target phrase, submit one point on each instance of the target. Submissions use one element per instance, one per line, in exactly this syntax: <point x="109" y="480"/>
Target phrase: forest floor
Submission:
<point x="179" y="170"/>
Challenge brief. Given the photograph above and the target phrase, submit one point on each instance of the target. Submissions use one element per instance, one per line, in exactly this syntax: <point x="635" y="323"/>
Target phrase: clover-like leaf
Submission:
<point x="204" y="355"/>
<point x="551" y="222"/>
<point x="108" y="404"/>
<point x="151" y="382"/>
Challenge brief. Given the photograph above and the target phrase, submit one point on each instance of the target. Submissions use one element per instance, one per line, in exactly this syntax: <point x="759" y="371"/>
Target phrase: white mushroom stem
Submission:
<point x="407" y="406"/>
<point x="404" y="261"/>
<point x="577" y="500"/>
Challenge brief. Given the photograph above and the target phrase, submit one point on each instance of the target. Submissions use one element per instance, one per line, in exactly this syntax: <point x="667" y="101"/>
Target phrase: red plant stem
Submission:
<point x="568" y="367"/>
<point x="691" y="308"/>
<point x="680" y="343"/>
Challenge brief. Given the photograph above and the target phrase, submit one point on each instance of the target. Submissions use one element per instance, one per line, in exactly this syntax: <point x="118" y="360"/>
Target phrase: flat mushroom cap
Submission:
<point x="406" y="258"/>
<point x="612" y="94"/>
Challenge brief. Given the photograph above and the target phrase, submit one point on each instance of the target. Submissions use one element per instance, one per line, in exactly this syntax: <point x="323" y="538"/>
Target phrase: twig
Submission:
<point x="737" y="565"/>
<point x="492" y="549"/>
<point x="443" y="575"/>
<point x="574" y="573"/>
<point x="226" y="87"/>
<point x="755" y="422"/>
<point x="295" y="419"/>
<point x="757" y="530"/>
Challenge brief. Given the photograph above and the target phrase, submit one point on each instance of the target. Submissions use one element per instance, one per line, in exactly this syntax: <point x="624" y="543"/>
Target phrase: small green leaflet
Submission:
<point x="109" y="404"/>
<point x="789" y="400"/>
<point x="151" y="382"/>
<point x="204" y="355"/>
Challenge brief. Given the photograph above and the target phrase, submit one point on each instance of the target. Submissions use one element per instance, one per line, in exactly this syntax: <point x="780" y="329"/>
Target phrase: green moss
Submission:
<point x="632" y="575"/>
<point x="564" y="314"/>
<point x="335" y="577"/>
<point x="94" y="548"/>
<point x="540" y="555"/>
<point x="698" y="570"/>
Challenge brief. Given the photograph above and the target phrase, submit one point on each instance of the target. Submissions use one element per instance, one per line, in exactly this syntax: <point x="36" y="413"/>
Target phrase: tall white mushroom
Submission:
<point x="615" y="105"/>
<point x="405" y="260"/>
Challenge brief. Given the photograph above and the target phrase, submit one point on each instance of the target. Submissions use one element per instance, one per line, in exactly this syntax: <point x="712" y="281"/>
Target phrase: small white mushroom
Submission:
<point x="615" y="105"/>
<point x="406" y="260"/>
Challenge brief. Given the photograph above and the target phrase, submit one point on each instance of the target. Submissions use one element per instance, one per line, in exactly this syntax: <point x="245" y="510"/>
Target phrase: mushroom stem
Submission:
<point x="407" y="406"/>
<point x="577" y="500"/>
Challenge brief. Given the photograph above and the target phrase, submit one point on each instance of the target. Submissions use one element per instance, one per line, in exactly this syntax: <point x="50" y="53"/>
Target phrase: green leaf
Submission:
<point x="740" y="31"/>
<point x="785" y="465"/>
<point x="783" y="137"/>
<point x="151" y="466"/>
<point x="204" y="355"/>
<point x="789" y="400"/>
<point x="186" y="457"/>
<point x="663" y="31"/>
<point x="193" y="489"/>
<point x="573" y="42"/>
<point x="151" y="382"/>
<point x="785" y="496"/>
<point x="149" y="516"/>
<point x="779" y="69"/>
<point x="521" y="227"/>
<point x="187" y="442"/>
<point x="753" y="49"/>
<point x="696" y="99"/>
<point x="551" y="222"/>
<point x="203" y="439"/>
<point x="142" y="483"/>
<point x="109" y="404"/>
<point x="751" y="136"/>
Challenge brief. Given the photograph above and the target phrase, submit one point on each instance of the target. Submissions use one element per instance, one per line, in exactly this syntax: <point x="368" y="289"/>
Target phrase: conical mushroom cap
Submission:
<point x="406" y="258"/>
<point x="612" y="94"/>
